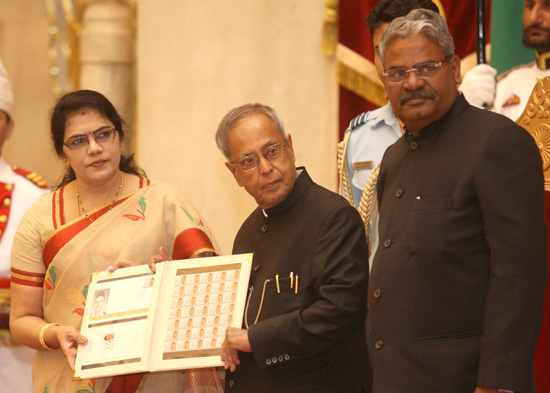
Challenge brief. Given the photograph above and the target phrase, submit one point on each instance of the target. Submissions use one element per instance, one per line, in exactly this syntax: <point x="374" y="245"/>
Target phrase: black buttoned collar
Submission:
<point x="433" y="129"/>
<point x="302" y="183"/>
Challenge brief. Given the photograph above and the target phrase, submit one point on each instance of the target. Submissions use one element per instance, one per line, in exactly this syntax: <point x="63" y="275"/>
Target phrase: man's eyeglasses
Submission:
<point x="271" y="153"/>
<point x="424" y="70"/>
<point x="101" y="136"/>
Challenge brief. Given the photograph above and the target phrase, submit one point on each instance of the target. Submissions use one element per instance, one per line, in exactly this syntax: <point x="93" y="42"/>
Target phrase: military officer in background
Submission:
<point x="18" y="190"/>
<point x="370" y="133"/>
<point x="509" y="93"/>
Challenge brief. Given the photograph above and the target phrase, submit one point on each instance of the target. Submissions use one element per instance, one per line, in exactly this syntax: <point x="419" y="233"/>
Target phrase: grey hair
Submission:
<point x="235" y="115"/>
<point x="427" y="22"/>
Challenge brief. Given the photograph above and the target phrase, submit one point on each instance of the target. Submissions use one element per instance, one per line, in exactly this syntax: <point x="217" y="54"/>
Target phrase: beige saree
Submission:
<point x="61" y="257"/>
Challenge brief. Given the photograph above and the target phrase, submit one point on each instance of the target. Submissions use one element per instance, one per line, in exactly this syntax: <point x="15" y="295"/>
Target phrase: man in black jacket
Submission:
<point x="304" y="324"/>
<point x="457" y="283"/>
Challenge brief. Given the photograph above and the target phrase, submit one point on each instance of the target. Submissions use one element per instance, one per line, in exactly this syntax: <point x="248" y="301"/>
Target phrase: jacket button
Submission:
<point x="274" y="359"/>
<point x="379" y="344"/>
<point x="414" y="145"/>
<point x="399" y="193"/>
<point x="287" y="356"/>
<point x="231" y="383"/>
<point x="268" y="361"/>
<point x="387" y="243"/>
<point x="377" y="293"/>
<point x="264" y="228"/>
<point x="256" y="268"/>
<point x="280" y="358"/>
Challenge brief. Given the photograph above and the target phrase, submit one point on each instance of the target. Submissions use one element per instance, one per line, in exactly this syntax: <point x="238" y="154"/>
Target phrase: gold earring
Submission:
<point x="67" y="164"/>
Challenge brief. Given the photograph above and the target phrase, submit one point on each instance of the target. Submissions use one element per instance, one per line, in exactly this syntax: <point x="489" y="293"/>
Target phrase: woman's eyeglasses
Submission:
<point x="100" y="136"/>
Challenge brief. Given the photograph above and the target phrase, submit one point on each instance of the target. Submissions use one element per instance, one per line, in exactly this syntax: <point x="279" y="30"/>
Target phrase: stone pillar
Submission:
<point x="107" y="55"/>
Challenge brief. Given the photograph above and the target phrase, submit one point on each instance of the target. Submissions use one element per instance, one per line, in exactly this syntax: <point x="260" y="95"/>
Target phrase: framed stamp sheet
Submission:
<point x="136" y="320"/>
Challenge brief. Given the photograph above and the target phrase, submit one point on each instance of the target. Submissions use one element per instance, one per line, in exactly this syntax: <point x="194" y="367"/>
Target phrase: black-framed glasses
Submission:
<point x="101" y="136"/>
<point x="271" y="153"/>
<point x="423" y="70"/>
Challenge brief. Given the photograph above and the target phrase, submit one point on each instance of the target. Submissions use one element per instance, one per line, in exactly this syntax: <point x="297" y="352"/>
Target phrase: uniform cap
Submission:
<point x="6" y="93"/>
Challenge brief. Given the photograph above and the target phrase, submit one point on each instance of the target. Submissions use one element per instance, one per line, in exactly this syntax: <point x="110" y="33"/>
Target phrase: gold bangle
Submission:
<point x="41" y="336"/>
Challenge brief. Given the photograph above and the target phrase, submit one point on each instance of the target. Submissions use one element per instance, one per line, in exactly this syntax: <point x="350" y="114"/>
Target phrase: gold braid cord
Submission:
<point x="345" y="185"/>
<point x="366" y="205"/>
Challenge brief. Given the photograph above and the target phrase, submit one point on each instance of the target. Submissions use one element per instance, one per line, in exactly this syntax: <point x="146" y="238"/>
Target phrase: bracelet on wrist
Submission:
<point x="41" y="335"/>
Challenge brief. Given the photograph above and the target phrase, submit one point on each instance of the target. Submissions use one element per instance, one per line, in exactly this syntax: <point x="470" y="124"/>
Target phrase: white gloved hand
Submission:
<point x="479" y="84"/>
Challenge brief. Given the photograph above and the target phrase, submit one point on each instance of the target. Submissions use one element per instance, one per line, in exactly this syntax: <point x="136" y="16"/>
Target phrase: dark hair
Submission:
<point x="385" y="11"/>
<point x="74" y="101"/>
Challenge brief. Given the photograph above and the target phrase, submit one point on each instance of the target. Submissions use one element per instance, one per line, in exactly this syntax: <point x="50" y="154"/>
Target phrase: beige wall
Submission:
<point x="23" y="48"/>
<point x="198" y="59"/>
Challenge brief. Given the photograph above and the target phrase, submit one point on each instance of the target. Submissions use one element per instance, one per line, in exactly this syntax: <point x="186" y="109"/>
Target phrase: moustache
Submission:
<point x="412" y="94"/>
<point x="538" y="27"/>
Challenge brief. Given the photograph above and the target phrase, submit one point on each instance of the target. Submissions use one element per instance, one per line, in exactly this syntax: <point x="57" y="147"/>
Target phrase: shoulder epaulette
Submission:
<point x="506" y="73"/>
<point x="31" y="176"/>
<point x="358" y="121"/>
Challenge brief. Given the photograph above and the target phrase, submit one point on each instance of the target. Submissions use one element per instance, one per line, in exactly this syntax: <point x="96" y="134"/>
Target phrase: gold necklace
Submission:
<point x="80" y="205"/>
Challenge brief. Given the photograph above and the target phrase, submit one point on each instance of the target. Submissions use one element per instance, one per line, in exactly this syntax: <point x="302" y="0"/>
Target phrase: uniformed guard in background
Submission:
<point x="18" y="190"/>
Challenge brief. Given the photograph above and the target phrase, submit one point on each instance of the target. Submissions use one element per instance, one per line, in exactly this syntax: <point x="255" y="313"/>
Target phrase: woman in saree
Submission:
<point x="104" y="211"/>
